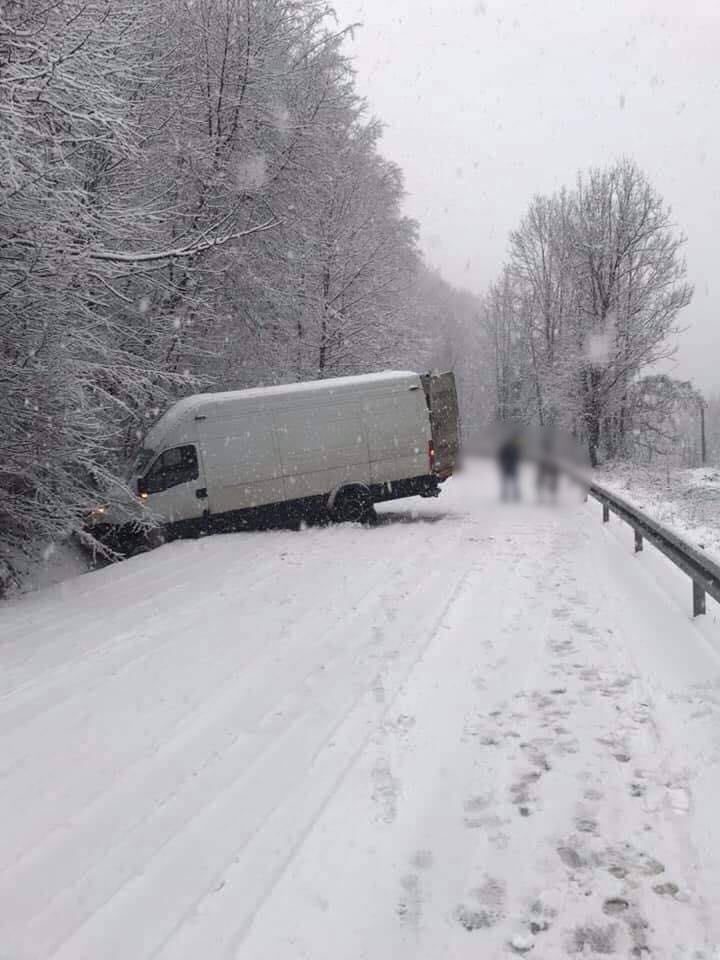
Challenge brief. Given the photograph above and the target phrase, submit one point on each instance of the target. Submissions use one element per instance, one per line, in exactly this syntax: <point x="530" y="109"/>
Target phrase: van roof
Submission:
<point x="334" y="387"/>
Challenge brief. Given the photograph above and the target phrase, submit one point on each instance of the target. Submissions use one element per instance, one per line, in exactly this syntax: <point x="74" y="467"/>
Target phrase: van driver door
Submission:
<point x="174" y="487"/>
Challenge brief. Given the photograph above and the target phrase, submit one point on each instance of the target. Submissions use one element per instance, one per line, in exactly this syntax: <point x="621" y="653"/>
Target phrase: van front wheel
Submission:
<point x="353" y="505"/>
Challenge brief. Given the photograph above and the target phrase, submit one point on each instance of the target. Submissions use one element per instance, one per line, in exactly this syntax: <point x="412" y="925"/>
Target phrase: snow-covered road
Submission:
<point x="467" y="732"/>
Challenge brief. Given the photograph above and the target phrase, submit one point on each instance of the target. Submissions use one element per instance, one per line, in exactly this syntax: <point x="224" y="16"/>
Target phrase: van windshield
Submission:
<point x="141" y="462"/>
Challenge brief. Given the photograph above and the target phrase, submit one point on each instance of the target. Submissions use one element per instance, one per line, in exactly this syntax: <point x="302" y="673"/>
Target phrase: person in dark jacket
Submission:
<point x="509" y="463"/>
<point x="547" y="468"/>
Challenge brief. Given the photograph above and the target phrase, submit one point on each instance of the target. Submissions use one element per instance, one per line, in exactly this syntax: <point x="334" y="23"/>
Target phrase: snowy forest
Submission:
<point x="193" y="197"/>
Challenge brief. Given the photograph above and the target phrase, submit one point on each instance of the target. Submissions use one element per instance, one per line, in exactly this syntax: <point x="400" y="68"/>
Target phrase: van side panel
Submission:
<point x="320" y="447"/>
<point x="241" y="462"/>
<point x="398" y="431"/>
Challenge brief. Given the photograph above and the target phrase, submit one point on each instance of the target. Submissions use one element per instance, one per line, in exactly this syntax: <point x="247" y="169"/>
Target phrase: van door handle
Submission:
<point x="201" y="494"/>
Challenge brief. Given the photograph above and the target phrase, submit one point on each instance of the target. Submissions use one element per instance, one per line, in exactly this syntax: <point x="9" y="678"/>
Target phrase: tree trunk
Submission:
<point x="592" y="414"/>
<point x="322" y="358"/>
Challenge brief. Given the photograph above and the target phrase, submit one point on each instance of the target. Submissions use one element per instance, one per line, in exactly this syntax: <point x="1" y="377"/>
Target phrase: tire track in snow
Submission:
<point x="424" y="901"/>
<point x="228" y="697"/>
<point x="364" y="731"/>
<point x="83" y="667"/>
<point x="342" y="632"/>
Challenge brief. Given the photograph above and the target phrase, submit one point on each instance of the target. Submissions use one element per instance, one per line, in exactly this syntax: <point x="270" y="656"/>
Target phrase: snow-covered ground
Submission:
<point x="57" y="562"/>
<point x="469" y="732"/>
<point x="688" y="501"/>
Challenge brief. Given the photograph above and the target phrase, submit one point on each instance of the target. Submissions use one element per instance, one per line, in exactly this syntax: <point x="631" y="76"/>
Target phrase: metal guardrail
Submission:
<point x="704" y="572"/>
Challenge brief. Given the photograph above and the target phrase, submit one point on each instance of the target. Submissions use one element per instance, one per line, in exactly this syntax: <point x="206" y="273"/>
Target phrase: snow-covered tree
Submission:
<point x="450" y="334"/>
<point x="587" y="303"/>
<point x="191" y="196"/>
<point x="68" y="71"/>
<point x="663" y="420"/>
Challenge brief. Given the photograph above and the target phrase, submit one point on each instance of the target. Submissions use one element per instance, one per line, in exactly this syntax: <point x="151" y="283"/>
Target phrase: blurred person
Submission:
<point x="548" y="472"/>
<point x="509" y="462"/>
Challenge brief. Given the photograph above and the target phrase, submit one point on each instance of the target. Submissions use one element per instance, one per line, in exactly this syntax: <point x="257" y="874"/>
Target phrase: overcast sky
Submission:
<point x="487" y="102"/>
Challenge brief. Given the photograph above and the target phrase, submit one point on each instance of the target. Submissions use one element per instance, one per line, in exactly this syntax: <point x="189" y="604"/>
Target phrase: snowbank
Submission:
<point x="686" y="501"/>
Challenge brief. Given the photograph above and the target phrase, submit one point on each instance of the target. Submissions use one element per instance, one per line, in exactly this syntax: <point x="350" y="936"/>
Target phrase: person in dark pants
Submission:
<point x="509" y="463"/>
<point x="547" y="468"/>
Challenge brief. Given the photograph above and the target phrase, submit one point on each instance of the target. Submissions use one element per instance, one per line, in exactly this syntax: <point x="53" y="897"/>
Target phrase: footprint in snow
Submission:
<point x="542" y="701"/>
<point x="409" y="907"/>
<point x="679" y="798"/>
<point x="541" y="915"/>
<point x="666" y="889"/>
<point x="479" y="802"/>
<point x="482" y="821"/>
<point x="586" y="825"/>
<point x="535" y="752"/>
<point x="521" y="944"/>
<point x="490" y="894"/>
<point x="593" y="939"/>
<point x="471" y="919"/>
<point x="627" y="859"/>
<point x="562" y="648"/>
<point x="477" y="728"/>
<point x="386" y="789"/>
<point x="675" y="892"/>
<point x="499" y="840"/>
<point x="521" y="790"/>
<point x="576" y="855"/>
<point x="640" y="714"/>
<point x="571" y="857"/>
<point x="615" y="905"/>
<point x="568" y="745"/>
<point x="400" y="726"/>
<point x="423" y="860"/>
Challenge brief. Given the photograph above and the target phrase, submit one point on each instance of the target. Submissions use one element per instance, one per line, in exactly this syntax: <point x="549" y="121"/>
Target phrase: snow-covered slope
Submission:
<point x="468" y="732"/>
<point x="687" y="501"/>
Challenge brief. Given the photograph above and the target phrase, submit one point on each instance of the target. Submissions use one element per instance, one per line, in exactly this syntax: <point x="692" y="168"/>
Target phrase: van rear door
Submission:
<point x="398" y="431"/>
<point x="441" y="396"/>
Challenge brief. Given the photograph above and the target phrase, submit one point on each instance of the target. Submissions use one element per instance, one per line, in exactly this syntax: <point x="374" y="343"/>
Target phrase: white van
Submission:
<point x="334" y="446"/>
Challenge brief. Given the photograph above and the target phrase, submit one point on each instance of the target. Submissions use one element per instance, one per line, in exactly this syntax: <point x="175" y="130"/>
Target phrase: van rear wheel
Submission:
<point x="353" y="505"/>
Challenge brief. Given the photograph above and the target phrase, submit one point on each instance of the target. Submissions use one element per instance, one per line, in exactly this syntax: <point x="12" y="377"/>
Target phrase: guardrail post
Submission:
<point x="606" y="513"/>
<point x="698" y="599"/>
<point x="638" y="541"/>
